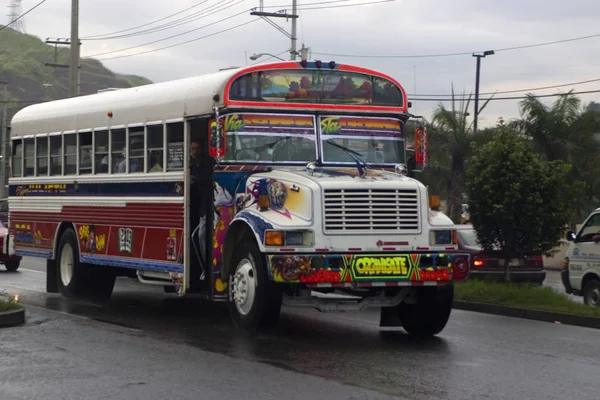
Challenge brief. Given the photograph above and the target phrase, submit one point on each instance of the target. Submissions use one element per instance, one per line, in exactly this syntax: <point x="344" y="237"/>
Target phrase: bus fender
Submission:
<point x="243" y="225"/>
<point x="62" y="227"/>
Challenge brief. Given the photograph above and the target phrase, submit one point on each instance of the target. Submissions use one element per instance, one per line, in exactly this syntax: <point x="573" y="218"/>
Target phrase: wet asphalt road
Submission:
<point x="143" y="344"/>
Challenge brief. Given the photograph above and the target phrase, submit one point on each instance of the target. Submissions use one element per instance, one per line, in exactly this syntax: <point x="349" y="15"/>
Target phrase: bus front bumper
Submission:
<point x="373" y="269"/>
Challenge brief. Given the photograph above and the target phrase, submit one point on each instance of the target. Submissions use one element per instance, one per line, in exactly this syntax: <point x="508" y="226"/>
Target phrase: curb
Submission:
<point x="538" y="315"/>
<point x="12" y="317"/>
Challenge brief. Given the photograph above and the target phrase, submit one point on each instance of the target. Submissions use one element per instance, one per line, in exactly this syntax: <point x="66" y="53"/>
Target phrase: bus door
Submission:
<point x="199" y="204"/>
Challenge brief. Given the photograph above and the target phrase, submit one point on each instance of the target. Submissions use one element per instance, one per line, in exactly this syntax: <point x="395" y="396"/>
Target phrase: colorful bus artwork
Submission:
<point x="259" y="186"/>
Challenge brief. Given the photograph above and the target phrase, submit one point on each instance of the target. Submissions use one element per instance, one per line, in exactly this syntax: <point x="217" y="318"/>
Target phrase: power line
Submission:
<point x="512" y="98"/>
<point x="182" y="21"/>
<point x="310" y="4"/>
<point x="512" y="91"/>
<point x="345" y="5"/>
<point x="24" y="14"/>
<point x="141" y="26"/>
<point x="460" y="53"/>
<point x="182" y="43"/>
<point x="167" y="38"/>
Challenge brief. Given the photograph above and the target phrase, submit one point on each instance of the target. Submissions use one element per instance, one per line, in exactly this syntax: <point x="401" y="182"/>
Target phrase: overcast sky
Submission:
<point x="400" y="27"/>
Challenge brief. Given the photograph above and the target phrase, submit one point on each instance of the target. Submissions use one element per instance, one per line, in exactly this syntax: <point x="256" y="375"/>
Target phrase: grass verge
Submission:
<point x="6" y="306"/>
<point x="521" y="295"/>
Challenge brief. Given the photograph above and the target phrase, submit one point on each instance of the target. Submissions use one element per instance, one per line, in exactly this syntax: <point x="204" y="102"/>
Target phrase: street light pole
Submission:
<point x="4" y="142"/>
<point x="479" y="57"/>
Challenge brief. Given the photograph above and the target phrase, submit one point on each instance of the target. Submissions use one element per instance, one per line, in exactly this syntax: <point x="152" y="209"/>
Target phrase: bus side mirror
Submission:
<point x="570" y="236"/>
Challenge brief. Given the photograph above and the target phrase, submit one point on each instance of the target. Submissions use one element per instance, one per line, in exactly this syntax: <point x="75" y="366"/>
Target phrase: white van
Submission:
<point x="581" y="273"/>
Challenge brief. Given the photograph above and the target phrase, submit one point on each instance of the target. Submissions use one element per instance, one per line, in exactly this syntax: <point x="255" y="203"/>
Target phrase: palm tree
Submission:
<point x="452" y="135"/>
<point x="551" y="128"/>
<point x="566" y="131"/>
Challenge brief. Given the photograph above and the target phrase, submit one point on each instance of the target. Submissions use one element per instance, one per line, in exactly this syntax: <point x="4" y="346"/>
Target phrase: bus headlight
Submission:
<point x="289" y="238"/>
<point x="443" y="237"/>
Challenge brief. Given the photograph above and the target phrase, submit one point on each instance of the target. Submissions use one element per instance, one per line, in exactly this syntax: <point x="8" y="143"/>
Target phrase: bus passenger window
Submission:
<point x="101" y="152"/>
<point x="118" y="151"/>
<point x="42" y="156"/>
<point x="136" y="149"/>
<point x="175" y="152"/>
<point x="55" y="155"/>
<point x="17" y="158"/>
<point x="155" y="145"/>
<point x="85" y="153"/>
<point x="29" y="157"/>
<point x="70" y="151"/>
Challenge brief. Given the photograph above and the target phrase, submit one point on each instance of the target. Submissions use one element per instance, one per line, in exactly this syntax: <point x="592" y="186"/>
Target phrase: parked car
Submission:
<point x="10" y="262"/>
<point x="581" y="273"/>
<point x="490" y="264"/>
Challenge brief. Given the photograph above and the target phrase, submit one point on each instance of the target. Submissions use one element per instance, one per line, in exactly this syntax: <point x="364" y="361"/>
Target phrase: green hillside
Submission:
<point x="22" y="59"/>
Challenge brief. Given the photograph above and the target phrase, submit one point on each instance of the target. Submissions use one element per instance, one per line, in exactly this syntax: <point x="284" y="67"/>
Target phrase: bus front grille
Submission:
<point x="371" y="210"/>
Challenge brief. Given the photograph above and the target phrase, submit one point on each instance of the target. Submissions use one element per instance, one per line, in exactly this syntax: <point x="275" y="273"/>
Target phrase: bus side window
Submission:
<point x="29" y="157"/>
<point x="17" y="158"/>
<point x="85" y="153"/>
<point x="155" y="145"/>
<point x="136" y="149"/>
<point x="117" y="150"/>
<point x="70" y="154"/>
<point x="175" y="151"/>
<point x="55" y="155"/>
<point x="42" y="156"/>
<point x="101" y="152"/>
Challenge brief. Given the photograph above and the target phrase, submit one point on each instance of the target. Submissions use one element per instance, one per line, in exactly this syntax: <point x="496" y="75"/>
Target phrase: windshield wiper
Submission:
<point x="361" y="165"/>
<point x="262" y="147"/>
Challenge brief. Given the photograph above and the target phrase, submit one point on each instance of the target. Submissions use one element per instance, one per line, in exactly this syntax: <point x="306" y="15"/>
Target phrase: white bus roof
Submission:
<point x="141" y="104"/>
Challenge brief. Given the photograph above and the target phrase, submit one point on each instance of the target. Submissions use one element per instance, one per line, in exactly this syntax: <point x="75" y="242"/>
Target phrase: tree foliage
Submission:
<point x="516" y="200"/>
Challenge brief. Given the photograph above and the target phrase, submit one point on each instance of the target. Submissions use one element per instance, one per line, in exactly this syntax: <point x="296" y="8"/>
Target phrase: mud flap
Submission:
<point x="389" y="317"/>
<point x="51" y="277"/>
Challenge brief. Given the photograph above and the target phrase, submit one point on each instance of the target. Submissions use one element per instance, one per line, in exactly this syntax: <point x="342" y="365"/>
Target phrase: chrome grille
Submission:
<point x="371" y="210"/>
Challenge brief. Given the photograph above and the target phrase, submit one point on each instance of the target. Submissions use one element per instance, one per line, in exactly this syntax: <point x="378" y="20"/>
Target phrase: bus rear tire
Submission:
<point x="71" y="275"/>
<point x="430" y="314"/>
<point x="255" y="301"/>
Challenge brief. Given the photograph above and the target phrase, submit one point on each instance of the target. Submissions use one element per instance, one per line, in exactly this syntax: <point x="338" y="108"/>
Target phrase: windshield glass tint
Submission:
<point x="373" y="140"/>
<point x="469" y="236"/>
<point x="316" y="86"/>
<point x="270" y="138"/>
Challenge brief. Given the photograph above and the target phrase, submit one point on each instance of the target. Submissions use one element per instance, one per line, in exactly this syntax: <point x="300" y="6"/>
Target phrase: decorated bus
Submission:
<point x="258" y="186"/>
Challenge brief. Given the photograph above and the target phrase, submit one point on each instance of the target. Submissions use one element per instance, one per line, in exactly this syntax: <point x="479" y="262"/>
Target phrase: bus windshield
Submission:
<point x="372" y="140"/>
<point x="270" y="138"/>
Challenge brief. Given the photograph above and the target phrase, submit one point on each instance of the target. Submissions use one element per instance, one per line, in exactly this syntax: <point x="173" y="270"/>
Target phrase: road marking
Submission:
<point x="32" y="270"/>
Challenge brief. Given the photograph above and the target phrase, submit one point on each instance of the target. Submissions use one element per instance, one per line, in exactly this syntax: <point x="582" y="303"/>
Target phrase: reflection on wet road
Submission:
<point x="476" y="356"/>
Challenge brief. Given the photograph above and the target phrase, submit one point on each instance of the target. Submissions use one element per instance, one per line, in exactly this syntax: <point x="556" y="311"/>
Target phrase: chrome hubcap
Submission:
<point x="66" y="264"/>
<point x="243" y="286"/>
<point x="594" y="298"/>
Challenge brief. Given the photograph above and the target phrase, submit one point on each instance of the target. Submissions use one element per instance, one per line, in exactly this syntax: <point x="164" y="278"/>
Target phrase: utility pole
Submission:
<point x="282" y="14"/>
<point x="479" y="57"/>
<point x="74" y="65"/>
<point x="294" y="22"/>
<point x="4" y="141"/>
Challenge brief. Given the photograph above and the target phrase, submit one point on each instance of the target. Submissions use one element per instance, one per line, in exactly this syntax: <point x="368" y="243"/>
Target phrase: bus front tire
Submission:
<point x="255" y="301"/>
<point x="70" y="273"/>
<point x="430" y="314"/>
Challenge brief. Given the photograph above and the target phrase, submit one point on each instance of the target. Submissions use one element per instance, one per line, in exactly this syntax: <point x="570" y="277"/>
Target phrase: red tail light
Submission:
<point x="537" y="261"/>
<point x="566" y="263"/>
<point x="478" y="262"/>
